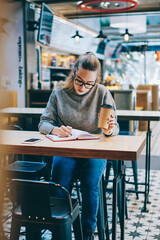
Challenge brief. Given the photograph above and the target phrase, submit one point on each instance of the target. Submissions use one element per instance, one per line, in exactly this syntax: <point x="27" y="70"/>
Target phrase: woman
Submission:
<point x="77" y="103"/>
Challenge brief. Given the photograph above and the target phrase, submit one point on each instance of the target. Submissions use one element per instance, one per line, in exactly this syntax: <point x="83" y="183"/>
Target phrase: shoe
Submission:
<point x="89" y="236"/>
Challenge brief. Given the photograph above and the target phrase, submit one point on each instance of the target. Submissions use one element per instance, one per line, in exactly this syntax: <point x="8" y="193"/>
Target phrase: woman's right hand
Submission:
<point x="62" y="131"/>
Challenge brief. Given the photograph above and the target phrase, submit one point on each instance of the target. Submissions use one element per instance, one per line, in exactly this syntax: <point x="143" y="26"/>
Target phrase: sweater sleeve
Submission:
<point x="49" y="116"/>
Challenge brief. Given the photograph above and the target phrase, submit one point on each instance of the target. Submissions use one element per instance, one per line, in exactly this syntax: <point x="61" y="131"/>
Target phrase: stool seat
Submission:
<point x="25" y="166"/>
<point x="25" y="169"/>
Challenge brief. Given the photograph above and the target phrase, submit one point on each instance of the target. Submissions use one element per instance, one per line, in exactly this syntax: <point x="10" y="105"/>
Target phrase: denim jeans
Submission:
<point x="89" y="171"/>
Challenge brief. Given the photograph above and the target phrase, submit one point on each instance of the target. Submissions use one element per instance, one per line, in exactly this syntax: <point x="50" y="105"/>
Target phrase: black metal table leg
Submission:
<point x="149" y="156"/>
<point x="147" y="168"/>
<point x="2" y="190"/>
<point x="123" y="204"/>
<point x="119" y="177"/>
<point x="105" y="209"/>
<point x="114" y="207"/>
<point x="100" y="215"/>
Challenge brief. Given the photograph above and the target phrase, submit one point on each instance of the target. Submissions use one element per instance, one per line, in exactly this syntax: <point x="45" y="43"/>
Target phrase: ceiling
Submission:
<point x="68" y="8"/>
<point x="149" y="8"/>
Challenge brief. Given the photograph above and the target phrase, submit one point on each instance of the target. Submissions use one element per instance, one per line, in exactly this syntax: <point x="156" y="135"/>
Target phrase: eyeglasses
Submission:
<point x="80" y="83"/>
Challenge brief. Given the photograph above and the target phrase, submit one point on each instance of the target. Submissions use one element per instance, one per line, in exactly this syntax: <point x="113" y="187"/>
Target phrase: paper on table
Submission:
<point x="76" y="135"/>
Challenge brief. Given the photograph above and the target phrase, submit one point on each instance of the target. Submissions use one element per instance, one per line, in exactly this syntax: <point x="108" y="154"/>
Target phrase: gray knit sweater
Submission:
<point x="77" y="111"/>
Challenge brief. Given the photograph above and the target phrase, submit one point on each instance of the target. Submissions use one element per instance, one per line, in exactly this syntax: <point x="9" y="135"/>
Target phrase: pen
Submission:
<point x="62" y="122"/>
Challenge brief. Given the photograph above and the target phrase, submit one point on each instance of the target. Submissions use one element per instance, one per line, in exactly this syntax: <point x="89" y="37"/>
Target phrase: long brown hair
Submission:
<point x="88" y="61"/>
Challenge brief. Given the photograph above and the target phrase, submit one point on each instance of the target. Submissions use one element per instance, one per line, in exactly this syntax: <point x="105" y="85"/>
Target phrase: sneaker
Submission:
<point x="89" y="236"/>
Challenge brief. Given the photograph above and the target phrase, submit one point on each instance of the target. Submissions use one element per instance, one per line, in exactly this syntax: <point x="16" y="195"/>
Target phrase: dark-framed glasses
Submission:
<point x="86" y="84"/>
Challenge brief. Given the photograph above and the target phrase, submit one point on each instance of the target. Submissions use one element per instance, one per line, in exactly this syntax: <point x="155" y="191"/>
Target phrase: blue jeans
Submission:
<point x="89" y="171"/>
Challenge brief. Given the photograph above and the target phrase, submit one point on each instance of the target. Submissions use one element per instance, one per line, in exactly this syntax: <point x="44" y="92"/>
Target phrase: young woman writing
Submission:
<point x="77" y="102"/>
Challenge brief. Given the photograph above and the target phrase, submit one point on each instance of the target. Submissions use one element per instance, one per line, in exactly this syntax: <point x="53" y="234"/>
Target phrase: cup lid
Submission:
<point x="108" y="106"/>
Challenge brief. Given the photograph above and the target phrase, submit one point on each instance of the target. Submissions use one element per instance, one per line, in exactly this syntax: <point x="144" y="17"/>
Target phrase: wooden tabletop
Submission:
<point x="21" y="112"/>
<point x="122" y="114"/>
<point x="113" y="148"/>
<point x="138" y="115"/>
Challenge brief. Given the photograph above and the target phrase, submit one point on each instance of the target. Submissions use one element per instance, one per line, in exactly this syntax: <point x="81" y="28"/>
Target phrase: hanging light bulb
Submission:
<point x="101" y="35"/>
<point x="155" y="55"/>
<point x="77" y="36"/>
<point x="126" y="35"/>
<point x="128" y="55"/>
<point x="142" y="55"/>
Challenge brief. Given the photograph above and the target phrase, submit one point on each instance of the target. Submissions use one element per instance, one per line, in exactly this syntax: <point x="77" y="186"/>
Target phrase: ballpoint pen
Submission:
<point x="63" y="122"/>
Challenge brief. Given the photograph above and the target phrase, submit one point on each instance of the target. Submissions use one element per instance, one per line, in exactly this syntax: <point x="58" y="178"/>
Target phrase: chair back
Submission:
<point x="34" y="197"/>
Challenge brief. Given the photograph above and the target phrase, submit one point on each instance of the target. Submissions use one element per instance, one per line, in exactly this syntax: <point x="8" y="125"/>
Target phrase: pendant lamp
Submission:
<point x="126" y="35"/>
<point x="101" y="35"/>
<point x="77" y="36"/>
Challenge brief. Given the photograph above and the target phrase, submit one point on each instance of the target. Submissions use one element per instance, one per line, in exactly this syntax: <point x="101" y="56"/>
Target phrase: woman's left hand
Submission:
<point x="111" y="124"/>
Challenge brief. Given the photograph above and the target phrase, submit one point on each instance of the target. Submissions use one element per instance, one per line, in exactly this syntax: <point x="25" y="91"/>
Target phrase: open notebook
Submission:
<point x="76" y="135"/>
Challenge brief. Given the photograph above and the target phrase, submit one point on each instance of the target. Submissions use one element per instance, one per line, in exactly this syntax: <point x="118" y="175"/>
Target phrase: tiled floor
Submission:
<point x="139" y="226"/>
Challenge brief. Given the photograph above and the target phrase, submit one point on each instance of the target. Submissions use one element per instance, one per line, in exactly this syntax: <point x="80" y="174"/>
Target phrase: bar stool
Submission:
<point x="115" y="167"/>
<point x="106" y="180"/>
<point x="37" y="210"/>
<point x="102" y="215"/>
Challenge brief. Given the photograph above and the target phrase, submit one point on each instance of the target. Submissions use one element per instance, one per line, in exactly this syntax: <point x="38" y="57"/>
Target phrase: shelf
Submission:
<point x="39" y="90"/>
<point x="38" y="97"/>
<point x="39" y="103"/>
<point x="61" y="68"/>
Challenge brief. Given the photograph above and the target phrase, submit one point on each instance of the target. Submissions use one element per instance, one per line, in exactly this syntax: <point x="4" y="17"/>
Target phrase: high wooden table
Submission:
<point x="146" y="116"/>
<point x="21" y="112"/>
<point x="114" y="148"/>
<point x="138" y="115"/>
<point x="122" y="115"/>
<point x="24" y="115"/>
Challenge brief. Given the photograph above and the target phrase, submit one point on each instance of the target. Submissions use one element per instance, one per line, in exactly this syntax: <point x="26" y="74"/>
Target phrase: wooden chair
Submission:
<point x="148" y="99"/>
<point x="8" y="99"/>
<point x="37" y="210"/>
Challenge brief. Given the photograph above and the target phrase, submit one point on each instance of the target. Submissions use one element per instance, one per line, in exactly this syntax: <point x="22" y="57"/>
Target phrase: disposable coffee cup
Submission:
<point x="105" y="113"/>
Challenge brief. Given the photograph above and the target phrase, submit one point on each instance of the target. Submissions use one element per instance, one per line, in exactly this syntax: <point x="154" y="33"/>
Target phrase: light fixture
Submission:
<point x="108" y="5"/>
<point x="126" y="35"/>
<point x="142" y="55"/>
<point x="77" y="36"/>
<point x="101" y="35"/>
<point x="155" y="55"/>
<point x="128" y="55"/>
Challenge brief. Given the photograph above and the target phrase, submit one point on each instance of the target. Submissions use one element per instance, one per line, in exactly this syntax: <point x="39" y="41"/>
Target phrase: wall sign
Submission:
<point x="20" y="67"/>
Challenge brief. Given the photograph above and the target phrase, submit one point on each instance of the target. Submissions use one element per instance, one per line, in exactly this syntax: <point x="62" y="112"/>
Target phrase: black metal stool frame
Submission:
<point x="36" y="209"/>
